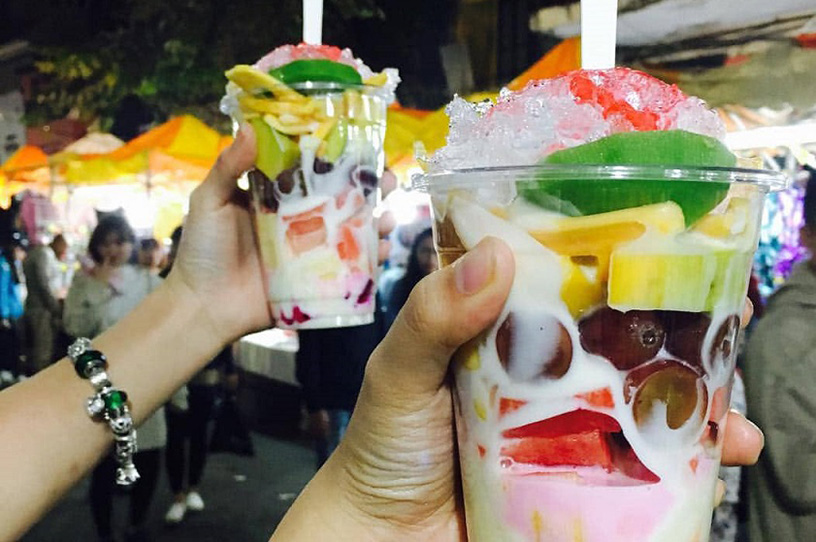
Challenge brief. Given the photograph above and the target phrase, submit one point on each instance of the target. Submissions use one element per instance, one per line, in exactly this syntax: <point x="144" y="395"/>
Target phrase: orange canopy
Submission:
<point x="564" y="57"/>
<point x="181" y="148"/>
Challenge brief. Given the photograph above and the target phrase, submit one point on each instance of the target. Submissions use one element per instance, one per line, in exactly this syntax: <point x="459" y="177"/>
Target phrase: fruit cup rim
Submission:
<point x="447" y="179"/>
<point x="332" y="87"/>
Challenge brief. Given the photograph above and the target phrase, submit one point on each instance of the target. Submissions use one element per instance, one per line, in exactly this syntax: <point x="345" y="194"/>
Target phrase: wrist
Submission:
<point x="201" y="322"/>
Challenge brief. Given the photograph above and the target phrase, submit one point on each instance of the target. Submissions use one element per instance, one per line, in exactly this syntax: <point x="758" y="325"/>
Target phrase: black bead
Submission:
<point x="90" y="362"/>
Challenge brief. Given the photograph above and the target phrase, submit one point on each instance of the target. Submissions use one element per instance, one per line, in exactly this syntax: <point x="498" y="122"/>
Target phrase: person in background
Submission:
<point x="780" y="383"/>
<point x="11" y="309"/>
<point x="421" y="262"/>
<point x="97" y="300"/>
<point x="329" y="365"/>
<point x="151" y="255"/>
<point x="42" y="309"/>
<point x="188" y="416"/>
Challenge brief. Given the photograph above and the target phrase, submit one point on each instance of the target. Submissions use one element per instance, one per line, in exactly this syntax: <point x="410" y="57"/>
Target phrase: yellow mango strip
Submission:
<point x="275" y="107"/>
<point x="589" y="241"/>
<point x="253" y="80"/>
<point x="324" y="128"/>
<point x="289" y="129"/>
<point x="664" y="217"/>
<point x="376" y="80"/>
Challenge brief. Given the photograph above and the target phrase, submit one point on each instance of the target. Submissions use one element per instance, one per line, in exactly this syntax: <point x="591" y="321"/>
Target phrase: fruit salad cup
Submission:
<point x="320" y="133"/>
<point x="593" y="409"/>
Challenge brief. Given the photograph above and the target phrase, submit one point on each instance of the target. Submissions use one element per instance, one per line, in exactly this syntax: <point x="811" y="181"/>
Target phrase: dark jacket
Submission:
<point x="330" y="364"/>
<point x="780" y="382"/>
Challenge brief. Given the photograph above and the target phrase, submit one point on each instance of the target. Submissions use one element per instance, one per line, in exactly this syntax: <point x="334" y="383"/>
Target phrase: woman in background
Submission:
<point x="421" y="263"/>
<point x="96" y="300"/>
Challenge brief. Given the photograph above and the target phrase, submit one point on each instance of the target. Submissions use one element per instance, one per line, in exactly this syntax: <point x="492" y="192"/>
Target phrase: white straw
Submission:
<point x="313" y="21"/>
<point x="599" y="25"/>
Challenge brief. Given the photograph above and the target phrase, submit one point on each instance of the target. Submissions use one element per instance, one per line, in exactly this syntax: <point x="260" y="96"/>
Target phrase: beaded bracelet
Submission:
<point x="108" y="404"/>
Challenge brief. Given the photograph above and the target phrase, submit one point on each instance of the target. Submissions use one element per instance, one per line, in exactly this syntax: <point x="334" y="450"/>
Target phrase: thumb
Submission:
<point x="219" y="186"/>
<point x="445" y="310"/>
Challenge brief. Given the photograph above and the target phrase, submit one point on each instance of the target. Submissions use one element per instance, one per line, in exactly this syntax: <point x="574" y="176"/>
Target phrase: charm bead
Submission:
<point x="90" y="362"/>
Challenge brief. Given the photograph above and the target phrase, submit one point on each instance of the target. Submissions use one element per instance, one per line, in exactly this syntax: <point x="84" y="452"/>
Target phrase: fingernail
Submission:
<point x="474" y="270"/>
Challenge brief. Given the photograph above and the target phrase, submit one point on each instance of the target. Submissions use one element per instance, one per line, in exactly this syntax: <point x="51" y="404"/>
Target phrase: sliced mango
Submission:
<point x="255" y="81"/>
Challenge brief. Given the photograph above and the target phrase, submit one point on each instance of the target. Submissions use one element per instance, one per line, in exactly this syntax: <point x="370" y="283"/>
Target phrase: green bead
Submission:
<point x="115" y="400"/>
<point x="88" y="361"/>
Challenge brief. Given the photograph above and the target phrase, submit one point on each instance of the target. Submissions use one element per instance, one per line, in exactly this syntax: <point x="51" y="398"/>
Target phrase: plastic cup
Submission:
<point x="594" y="407"/>
<point x="313" y="207"/>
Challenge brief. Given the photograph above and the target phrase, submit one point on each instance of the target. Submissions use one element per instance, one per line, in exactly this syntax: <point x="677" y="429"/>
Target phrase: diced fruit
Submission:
<point x="582" y="288"/>
<point x="317" y="70"/>
<point x="581" y="438"/>
<point x="276" y="152"/>
<point x="666" y="217"/>
<point x="589" y="241"/>
<point x="626" y="339"/>
<point x="725" y="341"/>
<point x="598" y="235"/>
<point x="468" y="355"/>
<point x="627" y="461"/>
<point x="601" y="398"/>
<point x="685" y="333"/>
<point x="734" y="221"/>
<point x="575" y="421"/>
<point x="481" y="411"/>
<point x="306" y="231"/>
<point x="347" y="247"/>
<point x="533" y="345"/>
<point x="581" y="449"/>
<point x="335" y="142"/>
<point x="661" y="273"/>
<point x="507" y="405"/>
<point x="657" y="148"/>
<point x="673" y="387"/>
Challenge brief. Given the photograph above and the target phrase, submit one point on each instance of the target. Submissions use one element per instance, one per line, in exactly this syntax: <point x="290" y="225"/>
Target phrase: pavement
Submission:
<point x="245" y="499"/>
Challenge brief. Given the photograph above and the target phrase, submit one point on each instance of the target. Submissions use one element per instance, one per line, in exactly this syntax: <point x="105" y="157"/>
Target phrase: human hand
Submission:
<point x="395" y="472"/>
<point x="217" y="261"/>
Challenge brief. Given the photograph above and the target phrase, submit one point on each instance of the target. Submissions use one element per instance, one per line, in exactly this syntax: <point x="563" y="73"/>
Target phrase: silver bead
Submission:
<point x="121" y="425"/>
<point x="95" y="406"/>
<point x="100" y="380"/>
<point x="78" y="347"/>
<point x="127" y="474"/>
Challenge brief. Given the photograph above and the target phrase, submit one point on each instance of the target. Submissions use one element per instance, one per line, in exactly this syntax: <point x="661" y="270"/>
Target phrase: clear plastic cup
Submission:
<point x="593" y="408"/>
<point x="313" y="210"/>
